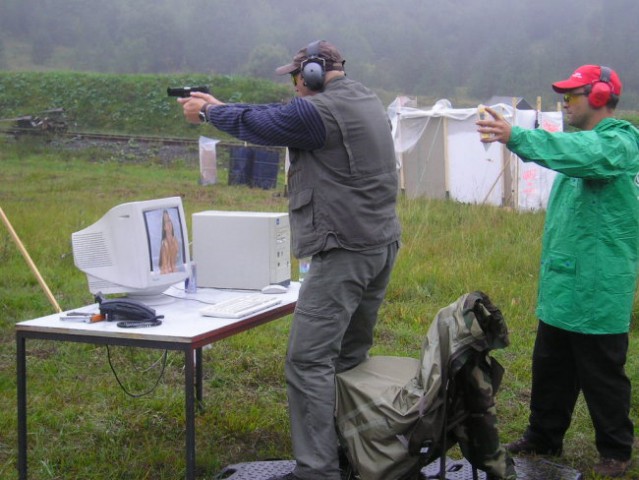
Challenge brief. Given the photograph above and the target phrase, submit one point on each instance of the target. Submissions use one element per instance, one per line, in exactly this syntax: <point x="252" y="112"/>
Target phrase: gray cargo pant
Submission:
<point x="332" y="331"/>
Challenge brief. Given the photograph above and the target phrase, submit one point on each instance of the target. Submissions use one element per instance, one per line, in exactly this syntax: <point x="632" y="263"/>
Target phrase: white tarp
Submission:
<point x="534" y="182"/>
<point x="440" y="156"/>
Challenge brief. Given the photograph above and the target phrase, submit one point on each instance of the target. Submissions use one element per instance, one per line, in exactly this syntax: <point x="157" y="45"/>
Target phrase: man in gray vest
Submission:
<point x="342" y="206"/>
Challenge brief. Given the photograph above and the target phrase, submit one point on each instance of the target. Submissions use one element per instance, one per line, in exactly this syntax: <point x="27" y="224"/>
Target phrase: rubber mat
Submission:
<point x="528" y="468"/>
<point x="256" y="470"/>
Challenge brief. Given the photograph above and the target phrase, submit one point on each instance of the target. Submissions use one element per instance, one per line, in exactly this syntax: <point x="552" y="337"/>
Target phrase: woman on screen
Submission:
<point x="169" y="247"/>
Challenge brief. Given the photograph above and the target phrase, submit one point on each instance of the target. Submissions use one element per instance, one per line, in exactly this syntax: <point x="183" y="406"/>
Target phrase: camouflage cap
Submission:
<point x="327" y="51"/>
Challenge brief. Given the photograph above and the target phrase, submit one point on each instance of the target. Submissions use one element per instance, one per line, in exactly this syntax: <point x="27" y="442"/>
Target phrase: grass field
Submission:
<point x="81" y="423"/>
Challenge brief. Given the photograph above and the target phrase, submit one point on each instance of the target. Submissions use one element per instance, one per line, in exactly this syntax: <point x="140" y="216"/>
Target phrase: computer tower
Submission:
<point x="241" y="250"/>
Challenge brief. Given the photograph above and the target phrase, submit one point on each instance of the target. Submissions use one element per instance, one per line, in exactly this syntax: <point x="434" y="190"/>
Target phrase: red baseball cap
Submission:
<point x="588" y="75"/>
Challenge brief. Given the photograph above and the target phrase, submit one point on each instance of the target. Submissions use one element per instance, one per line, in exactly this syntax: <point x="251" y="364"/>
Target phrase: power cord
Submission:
<point x="163" y="358"/>
<point x="188" y="299"/>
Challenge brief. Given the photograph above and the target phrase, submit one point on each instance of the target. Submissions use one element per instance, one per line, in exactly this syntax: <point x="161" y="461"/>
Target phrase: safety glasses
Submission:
<point x="569" y="96"/>
<point x="294" y="77"/>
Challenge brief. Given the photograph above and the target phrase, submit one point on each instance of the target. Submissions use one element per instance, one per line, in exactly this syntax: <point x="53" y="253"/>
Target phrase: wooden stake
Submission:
<point x="32" y="265"/>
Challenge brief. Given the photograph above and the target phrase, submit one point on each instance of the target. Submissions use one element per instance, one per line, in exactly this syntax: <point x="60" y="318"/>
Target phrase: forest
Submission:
<point x="463" y="50"/>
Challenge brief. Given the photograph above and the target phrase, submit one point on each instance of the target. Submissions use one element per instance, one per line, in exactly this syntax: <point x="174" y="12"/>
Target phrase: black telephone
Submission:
<point x="127" y="312"/>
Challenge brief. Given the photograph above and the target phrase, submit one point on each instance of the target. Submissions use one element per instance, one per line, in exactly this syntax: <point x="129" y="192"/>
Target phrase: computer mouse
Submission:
<point x="275" y="288"/>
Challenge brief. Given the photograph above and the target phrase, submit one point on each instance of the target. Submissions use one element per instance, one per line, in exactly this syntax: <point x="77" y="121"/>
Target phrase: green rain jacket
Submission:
<point x="590" y="246"/>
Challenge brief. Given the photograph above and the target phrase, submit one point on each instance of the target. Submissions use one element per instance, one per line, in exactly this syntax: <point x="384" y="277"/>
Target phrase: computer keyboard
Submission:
<point x="240" y="307"/>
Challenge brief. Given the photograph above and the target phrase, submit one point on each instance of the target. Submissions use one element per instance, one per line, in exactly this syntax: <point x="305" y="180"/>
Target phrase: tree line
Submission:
<point x="463" y="50"/>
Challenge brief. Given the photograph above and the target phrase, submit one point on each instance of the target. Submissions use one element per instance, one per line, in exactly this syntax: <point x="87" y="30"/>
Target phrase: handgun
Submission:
<point x="184" y="92"/>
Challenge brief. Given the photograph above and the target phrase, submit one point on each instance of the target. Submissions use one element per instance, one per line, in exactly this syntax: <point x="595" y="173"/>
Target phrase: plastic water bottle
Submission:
<point x="190" y="284"/>
<point x="305" y="265"/>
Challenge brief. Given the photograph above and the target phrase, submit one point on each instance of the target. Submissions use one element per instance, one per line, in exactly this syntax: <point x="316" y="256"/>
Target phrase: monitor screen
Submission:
<point x="165" y="241"/>
<point x="136" y="248"/>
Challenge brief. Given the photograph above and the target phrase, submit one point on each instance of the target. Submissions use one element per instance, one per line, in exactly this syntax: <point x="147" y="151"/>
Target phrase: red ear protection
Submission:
<point x="600" y="90"/>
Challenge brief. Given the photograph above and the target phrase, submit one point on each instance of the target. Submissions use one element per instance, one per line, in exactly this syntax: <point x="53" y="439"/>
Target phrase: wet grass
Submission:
<point x="82" y="425"/>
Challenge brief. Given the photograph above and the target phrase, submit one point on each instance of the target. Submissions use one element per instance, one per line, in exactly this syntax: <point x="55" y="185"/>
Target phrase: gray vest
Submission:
<point x="344" y="194"/>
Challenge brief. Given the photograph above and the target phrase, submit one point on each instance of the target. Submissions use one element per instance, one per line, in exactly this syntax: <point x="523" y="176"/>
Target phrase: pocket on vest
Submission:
<point x="301" y="205"/>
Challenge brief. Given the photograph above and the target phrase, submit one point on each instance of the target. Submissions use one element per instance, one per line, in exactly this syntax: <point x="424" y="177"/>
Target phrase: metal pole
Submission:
<point x="22" y="405"/>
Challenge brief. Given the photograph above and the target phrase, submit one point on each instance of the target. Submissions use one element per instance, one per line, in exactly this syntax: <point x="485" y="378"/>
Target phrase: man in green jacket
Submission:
<point x="588" y="272"/>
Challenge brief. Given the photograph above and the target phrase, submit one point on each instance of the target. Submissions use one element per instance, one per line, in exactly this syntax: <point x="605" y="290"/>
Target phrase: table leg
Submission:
<point x="21" y="363"/>
<point x="189" y="398"/>
<point x="198" y="378"/>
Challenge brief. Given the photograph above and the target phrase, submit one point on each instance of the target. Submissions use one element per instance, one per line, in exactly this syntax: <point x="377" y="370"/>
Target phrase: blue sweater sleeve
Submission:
<point x="297" y="124"/>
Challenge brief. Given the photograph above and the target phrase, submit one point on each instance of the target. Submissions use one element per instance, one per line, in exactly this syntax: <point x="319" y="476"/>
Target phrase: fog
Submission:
<point x="463" y="50"/>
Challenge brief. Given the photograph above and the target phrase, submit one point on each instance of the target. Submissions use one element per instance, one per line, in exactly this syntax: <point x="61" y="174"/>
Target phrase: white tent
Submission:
<point x="440" y="156"/>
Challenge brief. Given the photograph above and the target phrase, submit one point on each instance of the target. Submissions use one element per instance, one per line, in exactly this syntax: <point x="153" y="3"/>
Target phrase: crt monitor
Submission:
<point x="137" y="248"/>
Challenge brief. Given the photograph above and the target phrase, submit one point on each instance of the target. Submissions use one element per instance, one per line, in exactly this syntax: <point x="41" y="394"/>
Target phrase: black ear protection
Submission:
<point x="601" y="90"/>
<point x="313" y="68"/>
